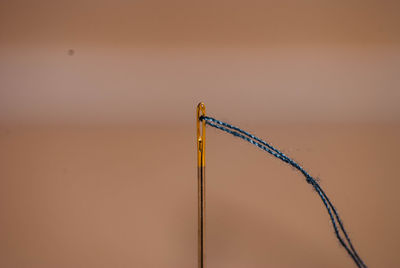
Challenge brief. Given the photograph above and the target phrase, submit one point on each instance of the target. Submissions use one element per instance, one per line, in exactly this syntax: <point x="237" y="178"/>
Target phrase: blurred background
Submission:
<point x="97" y="131"/>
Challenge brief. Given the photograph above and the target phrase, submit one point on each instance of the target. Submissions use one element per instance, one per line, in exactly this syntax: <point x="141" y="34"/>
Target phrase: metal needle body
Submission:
<point x="201" y="135"/>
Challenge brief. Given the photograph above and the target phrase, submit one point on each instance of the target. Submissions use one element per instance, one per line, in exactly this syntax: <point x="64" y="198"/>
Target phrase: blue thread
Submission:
<point x="333" y="214"/>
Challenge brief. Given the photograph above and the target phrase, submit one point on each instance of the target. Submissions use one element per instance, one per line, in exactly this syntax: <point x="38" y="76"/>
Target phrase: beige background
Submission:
<point x="97" y="106"/>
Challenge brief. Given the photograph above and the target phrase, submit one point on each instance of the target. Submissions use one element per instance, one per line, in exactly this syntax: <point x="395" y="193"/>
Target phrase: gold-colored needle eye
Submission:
<point x="201" y="139"/>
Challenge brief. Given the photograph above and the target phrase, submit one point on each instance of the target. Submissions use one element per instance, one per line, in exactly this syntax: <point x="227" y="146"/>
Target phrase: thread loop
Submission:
<point x="336" y="221"/>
